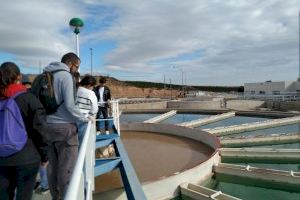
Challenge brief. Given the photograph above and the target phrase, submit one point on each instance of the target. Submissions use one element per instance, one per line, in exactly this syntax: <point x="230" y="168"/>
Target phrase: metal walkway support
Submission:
<point x="260" y="155"/>
<point x="161" y="117"/>
<point x="228" y="130"/>
<point x="198" y="192"/>
<point x="131" y="183"/>
<point x="260" y="140"/>
<point x="82" y="181"/>
<point x="207" y="120"/>
<point x="258" y="177"/>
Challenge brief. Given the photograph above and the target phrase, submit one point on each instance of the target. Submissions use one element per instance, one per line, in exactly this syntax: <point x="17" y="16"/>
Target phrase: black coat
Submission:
<point x="34" y="117"/>
<point x="106" y="94"/>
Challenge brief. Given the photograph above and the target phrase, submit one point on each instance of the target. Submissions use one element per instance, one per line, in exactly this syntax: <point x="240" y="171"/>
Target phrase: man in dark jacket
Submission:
<point x="103" y="96"/>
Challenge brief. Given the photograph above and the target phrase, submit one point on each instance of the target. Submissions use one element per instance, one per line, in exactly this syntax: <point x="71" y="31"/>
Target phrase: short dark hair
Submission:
<point x="70" y="58"/>
<point x="102" y="80"/>
<point x="88" y="80"/>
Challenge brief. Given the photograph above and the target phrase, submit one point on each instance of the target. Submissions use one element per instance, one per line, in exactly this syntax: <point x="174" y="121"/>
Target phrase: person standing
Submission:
<point x="18" y="171"/>
<point x="87" y="102"/>
<point x="41" y="185"/>
<point x="62" y="135"/>
<point x="103" y="96"/>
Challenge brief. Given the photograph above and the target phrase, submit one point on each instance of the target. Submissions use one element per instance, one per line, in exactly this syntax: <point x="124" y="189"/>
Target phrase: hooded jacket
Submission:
<point x="64" y="91"/>
<point x="34" y="117"/>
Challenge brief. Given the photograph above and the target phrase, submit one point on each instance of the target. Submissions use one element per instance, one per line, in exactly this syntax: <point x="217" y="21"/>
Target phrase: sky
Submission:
<point x="194" y="42"/>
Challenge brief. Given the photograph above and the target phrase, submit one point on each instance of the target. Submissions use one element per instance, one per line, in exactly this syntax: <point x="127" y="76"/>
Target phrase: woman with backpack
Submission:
<point x="23" y="119"/>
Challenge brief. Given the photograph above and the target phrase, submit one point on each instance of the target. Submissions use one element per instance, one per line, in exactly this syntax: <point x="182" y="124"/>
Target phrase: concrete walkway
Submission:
<point x="161" y="117"/>
<point x="198" y="192"/>
<point x="207" y="120"/>
<point x="37" y="196"/>
<point x="260" y="155"/>
<point x="260" y="140"/>
<point x="228" y="130"/>
<point x="259" y="177"/>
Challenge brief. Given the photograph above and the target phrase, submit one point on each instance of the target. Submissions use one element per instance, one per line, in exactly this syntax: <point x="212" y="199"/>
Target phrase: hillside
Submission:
<point x="130" y="89"/>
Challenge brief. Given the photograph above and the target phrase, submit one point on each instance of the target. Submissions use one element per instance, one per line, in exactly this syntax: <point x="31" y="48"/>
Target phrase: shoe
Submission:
<point x="106" y="132"/>
<point x="37" y="185"/>
<point x="98" y="133"/>
<point x="42" y="190"/>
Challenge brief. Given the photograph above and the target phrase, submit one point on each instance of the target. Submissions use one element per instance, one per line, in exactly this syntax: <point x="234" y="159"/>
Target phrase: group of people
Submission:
<point x="53" y="139"/>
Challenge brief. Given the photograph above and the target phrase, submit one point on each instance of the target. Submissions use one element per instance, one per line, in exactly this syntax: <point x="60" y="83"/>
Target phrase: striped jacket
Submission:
<point x="86" y="100"/>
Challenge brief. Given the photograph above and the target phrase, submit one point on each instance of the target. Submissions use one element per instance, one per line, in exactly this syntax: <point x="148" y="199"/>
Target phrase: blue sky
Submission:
<point x="207" y="42"/>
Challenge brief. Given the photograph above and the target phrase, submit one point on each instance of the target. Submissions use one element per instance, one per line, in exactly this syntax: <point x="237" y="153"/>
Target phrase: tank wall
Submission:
<point x="141" y="106"/>
<point x="195" y="134"/>
<point x="168" y="187"/>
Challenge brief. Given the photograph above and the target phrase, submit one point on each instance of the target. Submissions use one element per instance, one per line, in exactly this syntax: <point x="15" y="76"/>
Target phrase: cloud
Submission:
<point x="35" y="31"/>
<point x="240" y="38"/>
<point x="213" y="42"/>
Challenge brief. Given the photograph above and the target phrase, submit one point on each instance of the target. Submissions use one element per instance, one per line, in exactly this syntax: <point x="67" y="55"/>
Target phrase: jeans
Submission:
<point x="44" y="178"/>
<point x="81" y="126"/>
<point x="104" y="112"/>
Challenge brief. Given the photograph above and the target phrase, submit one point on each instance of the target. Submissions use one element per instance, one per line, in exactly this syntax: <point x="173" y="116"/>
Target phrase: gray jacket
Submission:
<point x="63" y="85"/>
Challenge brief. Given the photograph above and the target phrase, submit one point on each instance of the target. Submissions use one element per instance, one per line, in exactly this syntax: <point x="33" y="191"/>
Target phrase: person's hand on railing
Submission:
<point x="44" y="164"/>
<point x="108" y="103"/>
<point x="92" y="119"/>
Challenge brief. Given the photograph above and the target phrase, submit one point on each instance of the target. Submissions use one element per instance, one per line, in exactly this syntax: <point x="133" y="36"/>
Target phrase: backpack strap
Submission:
<point x="17" y="94"/>
<point x="55" y="71"/>
<point x="59" y="70"/>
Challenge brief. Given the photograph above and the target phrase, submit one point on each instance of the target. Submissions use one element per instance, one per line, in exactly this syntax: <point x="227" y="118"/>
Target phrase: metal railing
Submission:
<point x="282" y="96"/>
<point x="82" y="180"/>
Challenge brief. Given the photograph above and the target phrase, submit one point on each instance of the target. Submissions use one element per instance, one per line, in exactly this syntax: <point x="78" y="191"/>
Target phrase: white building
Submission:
<point x="270" y="89"/>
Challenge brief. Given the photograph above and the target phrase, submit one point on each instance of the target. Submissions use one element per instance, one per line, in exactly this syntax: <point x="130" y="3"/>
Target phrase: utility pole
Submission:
<point x="186" y="87"/>
<point x="299" y="44"/>
<point x="171" y="88"/>
<point x="91" y="49"/>
<point x="164" y="85"/>
<point x="40" y="66"/>
<point x="182" y="82"/>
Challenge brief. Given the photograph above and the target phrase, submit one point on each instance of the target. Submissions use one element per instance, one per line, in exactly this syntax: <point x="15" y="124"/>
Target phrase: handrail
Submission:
<point x="82" y="179"/>
<point x="115" y="114"/>
<point x="76" y="178"/>
<point x="282" y="96"/>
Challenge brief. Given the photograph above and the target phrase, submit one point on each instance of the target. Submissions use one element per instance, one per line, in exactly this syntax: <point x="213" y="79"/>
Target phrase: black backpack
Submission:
<point x="42" y="88"/>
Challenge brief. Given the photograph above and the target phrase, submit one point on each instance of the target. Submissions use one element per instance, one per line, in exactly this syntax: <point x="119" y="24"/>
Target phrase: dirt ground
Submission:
<point x="121" y="90"/>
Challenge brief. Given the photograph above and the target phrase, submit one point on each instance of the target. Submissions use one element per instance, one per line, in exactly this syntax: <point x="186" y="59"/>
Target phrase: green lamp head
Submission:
<point x="76" y="24"/>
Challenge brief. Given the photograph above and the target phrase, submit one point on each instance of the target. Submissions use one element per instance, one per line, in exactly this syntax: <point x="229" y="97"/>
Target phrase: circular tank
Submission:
<point x="164" y="156"/>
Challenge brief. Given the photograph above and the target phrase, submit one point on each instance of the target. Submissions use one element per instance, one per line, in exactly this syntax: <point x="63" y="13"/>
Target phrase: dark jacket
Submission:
<point x="34" y="117"/>
<point x="106" y="94"/>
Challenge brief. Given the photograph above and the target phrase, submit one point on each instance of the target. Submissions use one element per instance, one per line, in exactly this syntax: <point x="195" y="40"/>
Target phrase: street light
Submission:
<point x="91" y="49"/>
<point x="76" y="24"/>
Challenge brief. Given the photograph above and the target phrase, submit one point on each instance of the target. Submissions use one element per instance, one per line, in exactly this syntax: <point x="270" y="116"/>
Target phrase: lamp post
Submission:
<point x="76" y="24"/>
<point x="91" y="49"/>
<point x="171" y="87"/>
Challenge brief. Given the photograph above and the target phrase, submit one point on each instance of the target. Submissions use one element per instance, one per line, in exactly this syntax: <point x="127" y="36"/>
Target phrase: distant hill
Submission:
<point x="144" y="84"/>
<point x="152" y="89"/>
